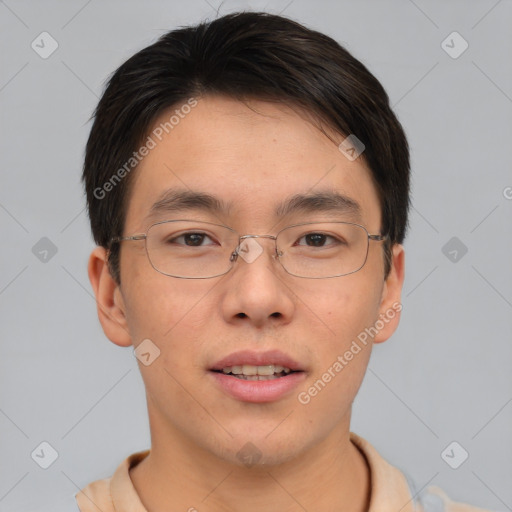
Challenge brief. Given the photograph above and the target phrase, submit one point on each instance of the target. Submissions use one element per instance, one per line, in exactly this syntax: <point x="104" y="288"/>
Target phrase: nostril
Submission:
<point x="276" y="314"/>
<point x="241" y="315"/>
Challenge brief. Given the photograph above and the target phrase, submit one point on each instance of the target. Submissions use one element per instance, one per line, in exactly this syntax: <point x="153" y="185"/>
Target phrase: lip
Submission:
<point x="257" y="359"/>
<point x="257" y="391"/>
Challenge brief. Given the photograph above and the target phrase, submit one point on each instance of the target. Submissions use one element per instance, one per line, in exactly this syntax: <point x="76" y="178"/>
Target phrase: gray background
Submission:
<point x="445" y="376"/>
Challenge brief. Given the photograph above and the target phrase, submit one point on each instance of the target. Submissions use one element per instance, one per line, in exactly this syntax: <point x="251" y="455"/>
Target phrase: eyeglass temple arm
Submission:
<point x="116" y="239"/>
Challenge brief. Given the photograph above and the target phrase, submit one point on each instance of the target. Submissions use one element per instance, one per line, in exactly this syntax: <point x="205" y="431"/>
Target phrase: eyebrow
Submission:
<point x="319" y="202"/>
<point x="330" y="202"/>
<point x="175" y="200"/>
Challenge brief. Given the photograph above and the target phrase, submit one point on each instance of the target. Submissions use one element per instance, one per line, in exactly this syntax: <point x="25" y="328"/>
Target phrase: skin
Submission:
<point x="255" y="159"/>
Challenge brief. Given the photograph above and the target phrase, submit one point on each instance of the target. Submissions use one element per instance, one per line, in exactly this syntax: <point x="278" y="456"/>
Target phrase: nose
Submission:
<point x="255" y="291"/>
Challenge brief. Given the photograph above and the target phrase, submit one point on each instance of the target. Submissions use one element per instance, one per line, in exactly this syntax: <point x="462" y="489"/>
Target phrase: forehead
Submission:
<point x="251" y="160"/>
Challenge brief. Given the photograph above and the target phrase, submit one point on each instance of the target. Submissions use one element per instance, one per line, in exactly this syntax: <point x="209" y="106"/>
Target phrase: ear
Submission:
<point x="109" y="299"/>
<point x="390" y="303"/>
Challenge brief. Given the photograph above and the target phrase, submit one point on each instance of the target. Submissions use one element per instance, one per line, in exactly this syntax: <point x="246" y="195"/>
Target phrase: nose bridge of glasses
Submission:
<point x="250" y="250"/>
<point x="244" y="237"/>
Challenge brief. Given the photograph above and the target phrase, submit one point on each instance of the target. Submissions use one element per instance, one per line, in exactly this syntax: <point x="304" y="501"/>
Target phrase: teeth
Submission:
<point x="256" y="377"/>
<point x="269" y="369"/>
<point x="250" y="370"/>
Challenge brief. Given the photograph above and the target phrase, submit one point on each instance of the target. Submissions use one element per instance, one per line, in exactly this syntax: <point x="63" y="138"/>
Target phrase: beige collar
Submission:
<point x="389" y="489"/>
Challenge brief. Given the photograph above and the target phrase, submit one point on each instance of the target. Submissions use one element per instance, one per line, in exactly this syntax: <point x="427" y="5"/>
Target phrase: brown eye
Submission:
<point x="317" y="240"/>
<point x="194" y="239"/>
<point x="190" y="239"/>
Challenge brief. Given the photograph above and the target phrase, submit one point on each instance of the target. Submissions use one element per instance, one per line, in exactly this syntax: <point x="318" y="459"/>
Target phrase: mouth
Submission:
<point x="252" y="372"/>
<point x="257" y="377"/>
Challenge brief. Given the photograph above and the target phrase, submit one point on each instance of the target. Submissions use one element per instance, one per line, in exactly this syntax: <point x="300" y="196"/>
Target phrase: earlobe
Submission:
<point x="109" y="300"/>
<point x="391" y="305"/>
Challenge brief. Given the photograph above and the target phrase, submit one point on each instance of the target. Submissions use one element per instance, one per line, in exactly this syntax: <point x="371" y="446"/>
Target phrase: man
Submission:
<point x="248" y="189"/>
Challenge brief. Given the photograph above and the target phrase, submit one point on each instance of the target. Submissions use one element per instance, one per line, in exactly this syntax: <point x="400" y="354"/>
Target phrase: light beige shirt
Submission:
<point x="390" y="491"/>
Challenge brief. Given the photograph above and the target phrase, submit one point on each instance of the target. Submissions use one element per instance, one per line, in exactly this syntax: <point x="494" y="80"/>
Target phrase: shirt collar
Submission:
<point x="389" y="488"/>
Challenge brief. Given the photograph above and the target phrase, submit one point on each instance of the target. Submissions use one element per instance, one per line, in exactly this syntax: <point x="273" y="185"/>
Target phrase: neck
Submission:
<point x="333" y="475"/>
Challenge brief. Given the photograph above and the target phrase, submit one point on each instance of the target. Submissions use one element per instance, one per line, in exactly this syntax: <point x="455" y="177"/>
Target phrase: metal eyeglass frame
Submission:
<point x="234" y="254"/>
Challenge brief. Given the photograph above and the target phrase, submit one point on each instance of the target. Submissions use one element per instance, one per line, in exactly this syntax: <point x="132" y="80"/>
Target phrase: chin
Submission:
<point x="252" y="457"/>
<point x="259" y="451"/>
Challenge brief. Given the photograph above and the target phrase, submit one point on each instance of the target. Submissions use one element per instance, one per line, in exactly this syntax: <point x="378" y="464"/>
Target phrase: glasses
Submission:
<point x="190" y="249"/>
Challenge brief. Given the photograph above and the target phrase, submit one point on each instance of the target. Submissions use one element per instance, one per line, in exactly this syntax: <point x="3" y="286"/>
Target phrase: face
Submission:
<point x="252" y="160"/>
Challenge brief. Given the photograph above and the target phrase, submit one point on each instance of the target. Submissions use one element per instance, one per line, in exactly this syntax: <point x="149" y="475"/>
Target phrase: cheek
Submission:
<point x="159" y="306"/>
<point x="172" y="315"/>
<point x="343" y="356"/>
<point x="327" y="397"/>
<point x="344" y="352"/>
<point x="346" y="307"/>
